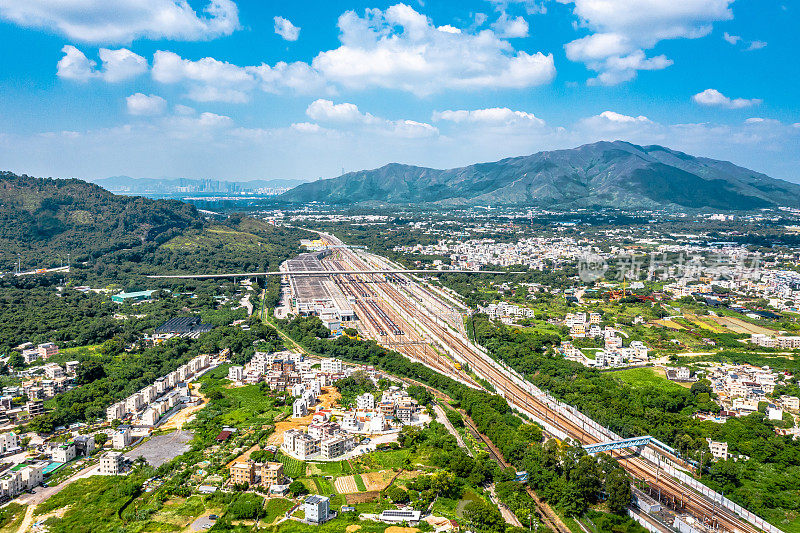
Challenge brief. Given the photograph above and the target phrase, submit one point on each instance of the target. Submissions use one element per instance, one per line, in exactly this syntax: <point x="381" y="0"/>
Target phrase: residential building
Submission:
<point x="53" y="371"/>
<point x="365" y="401"/>
<point x="33" y="474"/>
<point x="300" y="444"/>
<point x="271" y="474"/>
<point x="47" y="350"/>
<point x="718" y="449"/>
<point x="336" y="446"/>
<point x="111" y="463"/>
<point x="243" y="473"/>
<point x="84" y="445"/>
<point x="331" y="366"/>
<point x="72" y="366"/>
<point x="35" y="407"/>
<point x="299" y="408"/>
<point x="9" y="443"/>
<point x="121" y="438"/>
<point x="64" y="453"/>
<point x="116" y="411"/>
<point x="236" y="373"/>
<point x="317" y="509"/>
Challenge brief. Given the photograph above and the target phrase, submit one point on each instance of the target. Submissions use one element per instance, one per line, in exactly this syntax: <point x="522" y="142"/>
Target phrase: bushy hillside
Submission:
<point x="42" y="219"/>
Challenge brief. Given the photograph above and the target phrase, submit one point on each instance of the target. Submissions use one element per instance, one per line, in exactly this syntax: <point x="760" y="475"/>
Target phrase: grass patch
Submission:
<point x="359" y="483"/>
<point x="11" y="516"/>
<point x="276" y="508"/>
<point x="646" y="377"/>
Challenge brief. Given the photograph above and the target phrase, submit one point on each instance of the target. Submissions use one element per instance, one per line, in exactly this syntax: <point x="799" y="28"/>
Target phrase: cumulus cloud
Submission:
<point x="142" y="104"/>
<point x="508" y="27"/>
<point x="286" y="29"/>
<point x="96" y="21"/>
<point x="396" y="48"/>
<point x="399" y="48"/>
<point x="622" y="30"/>
<point x="748" y="46"/>
<point x="117" y="65"/>
<point x="712" y="97"/>
<point x="347" y="115"/>
<point x="489" y="116"/>
<point x="211" y="80"/>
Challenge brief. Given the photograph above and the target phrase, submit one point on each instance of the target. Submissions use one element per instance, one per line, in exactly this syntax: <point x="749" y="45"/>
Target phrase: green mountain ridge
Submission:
<point x="602" y="174"/>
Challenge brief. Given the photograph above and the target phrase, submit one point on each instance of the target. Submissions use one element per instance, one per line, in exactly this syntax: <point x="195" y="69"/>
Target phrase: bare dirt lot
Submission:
<point x="740" y="326"/>
<point x="162" y="448"/>
<point x="377" y="480"/>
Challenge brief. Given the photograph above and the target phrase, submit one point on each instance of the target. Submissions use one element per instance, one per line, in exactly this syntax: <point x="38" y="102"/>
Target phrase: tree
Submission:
<point x="100" y="439"/>
<point x="618" y="489"/>
<point x="89" y="371"/>
<point x="396" y="494"/>
<point x="297" y="488"/>
<point x="16" y="361"/>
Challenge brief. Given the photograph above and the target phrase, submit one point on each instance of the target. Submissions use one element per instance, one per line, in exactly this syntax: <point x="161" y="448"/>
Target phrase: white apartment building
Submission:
<point x="111" y="463"/>
<point x="365" y="401"/>
<point x="718" y="449"/>
<point x="9" y="443"/>
<point x="236" y="373"/>
<point x="121" y="438"/>
<point x="331" y="366"/>
<point x="64" y="453"/>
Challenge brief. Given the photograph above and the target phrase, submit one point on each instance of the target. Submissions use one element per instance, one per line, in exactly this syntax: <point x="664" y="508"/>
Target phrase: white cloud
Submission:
<point x="489" y="116"/>
<point x="712" y="97"/>
<point x="99" y="21"/>
<point x="399" y="48"/>
<point x="306" y="127"/>
<point x="211" y="80"/>
<point x="142" y="104"/>
<point x="75" y="65"/>
<point x="533" y="7"/>
<point x="623" y="29"/>
<point x="348" y="117"/>
<point x="286" y="29"/>
<point x="748" y="47"/>
<point x="122" y="64"/>
<point x="508" y="27"/>
<point x="732" y="39"/>
<point x="117" y="65"/>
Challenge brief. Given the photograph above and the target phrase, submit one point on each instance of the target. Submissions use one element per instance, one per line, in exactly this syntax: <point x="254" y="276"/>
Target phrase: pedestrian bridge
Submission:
<point x="634" y="442"/>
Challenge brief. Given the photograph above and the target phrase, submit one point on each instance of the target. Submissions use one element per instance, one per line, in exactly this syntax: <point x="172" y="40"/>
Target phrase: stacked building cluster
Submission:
<point x="328" y="439"/>
<point x="147" y="406"/>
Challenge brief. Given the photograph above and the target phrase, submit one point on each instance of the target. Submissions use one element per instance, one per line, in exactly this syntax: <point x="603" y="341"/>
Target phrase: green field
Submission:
<point x="646" y="377"/>
<point x="276" y="508"/>
<point x="359" y="483"/>
<point x="292" y="467"/>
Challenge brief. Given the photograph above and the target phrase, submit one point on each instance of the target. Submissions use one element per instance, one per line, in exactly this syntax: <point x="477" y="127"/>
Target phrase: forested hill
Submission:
<point x="44" y="218"/>
<point x="120" y="239"/>
<point x="603" y="174"/>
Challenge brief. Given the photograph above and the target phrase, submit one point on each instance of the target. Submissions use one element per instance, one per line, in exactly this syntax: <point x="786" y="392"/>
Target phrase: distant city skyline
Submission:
<point x="245" y="90"/>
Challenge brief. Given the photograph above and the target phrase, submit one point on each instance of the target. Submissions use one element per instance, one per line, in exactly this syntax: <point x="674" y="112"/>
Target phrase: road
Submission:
<point x="427" y="334"/>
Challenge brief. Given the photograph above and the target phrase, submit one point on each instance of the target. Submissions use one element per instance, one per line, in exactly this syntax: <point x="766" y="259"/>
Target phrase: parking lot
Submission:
<point x="162" y="448"/>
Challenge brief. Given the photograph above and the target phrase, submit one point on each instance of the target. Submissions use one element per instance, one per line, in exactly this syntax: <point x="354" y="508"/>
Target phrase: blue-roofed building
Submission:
<point x="129" y="297"/>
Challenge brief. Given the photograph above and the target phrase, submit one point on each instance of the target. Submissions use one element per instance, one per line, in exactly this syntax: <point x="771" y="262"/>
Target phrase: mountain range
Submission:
<point x="602" y="174"/>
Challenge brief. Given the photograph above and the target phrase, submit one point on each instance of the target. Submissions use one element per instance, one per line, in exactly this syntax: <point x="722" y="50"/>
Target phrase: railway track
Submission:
<point x="681" y="496"/>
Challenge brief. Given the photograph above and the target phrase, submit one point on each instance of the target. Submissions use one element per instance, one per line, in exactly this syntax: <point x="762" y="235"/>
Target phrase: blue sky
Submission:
<point x="260" y="89"/>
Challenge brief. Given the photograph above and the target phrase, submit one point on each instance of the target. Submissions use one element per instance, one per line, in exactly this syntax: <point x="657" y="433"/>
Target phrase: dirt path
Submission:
<point x="28" y="520"/>
<point x="441" y="416"/>
<point x="508" y="516"/>
<point x="182" y="416"/>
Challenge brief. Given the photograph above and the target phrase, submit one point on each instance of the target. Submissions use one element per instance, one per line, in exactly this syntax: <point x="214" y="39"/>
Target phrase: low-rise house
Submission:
<point x="64" y="453"/>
